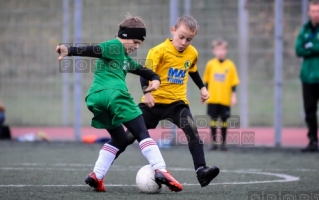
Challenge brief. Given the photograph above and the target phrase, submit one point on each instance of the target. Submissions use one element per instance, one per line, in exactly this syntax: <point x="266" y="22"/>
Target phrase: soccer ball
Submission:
<point x="145" y="180"/>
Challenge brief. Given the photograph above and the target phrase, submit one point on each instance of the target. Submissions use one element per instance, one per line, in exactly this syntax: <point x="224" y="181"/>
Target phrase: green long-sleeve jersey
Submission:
<point x="307" y="47"/>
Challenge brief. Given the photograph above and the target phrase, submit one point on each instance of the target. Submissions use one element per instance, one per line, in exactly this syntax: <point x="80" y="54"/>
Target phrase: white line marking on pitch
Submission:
<point x="53" y="169"/>
<point x="129" y="168"/>
<point x="108" y="185"/>
<point x="285" y="178"/>
<point x="120" y="168"/>
<point x="55" y="164"/>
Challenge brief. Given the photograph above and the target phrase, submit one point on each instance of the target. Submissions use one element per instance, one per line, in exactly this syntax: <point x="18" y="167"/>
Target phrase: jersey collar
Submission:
<point x="169" y="42"/>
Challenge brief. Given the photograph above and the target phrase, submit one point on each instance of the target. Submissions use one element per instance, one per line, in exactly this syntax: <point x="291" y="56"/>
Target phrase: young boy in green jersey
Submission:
<point x="108" y="99"/>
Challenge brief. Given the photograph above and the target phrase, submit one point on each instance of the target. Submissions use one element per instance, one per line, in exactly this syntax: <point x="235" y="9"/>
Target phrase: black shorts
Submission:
<point x="159" y="112"/>
<point x="218" y="111"/>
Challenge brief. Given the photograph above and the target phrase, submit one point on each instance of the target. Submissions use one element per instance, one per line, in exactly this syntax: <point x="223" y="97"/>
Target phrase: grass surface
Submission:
<point x="57" y="171"/>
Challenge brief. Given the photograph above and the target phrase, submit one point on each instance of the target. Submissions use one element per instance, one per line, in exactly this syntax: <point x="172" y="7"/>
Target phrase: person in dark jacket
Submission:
<point x="307" y="47"/>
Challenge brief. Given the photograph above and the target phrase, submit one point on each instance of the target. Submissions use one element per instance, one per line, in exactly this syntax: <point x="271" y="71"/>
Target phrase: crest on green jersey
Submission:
<point x="126" y="65"/>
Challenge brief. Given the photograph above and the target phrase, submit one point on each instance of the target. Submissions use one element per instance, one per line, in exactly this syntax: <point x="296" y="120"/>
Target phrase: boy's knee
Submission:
<point x="121" y="145"/>
<point x="130" y="139"/>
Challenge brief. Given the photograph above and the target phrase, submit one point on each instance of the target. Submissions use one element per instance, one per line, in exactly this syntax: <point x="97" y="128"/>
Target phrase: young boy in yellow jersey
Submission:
<point x="174" y="61"/>
<point x="221" y="78"/>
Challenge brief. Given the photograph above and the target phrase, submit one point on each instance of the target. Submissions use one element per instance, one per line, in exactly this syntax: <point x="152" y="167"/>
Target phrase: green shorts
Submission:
<point x="111" y="108"/>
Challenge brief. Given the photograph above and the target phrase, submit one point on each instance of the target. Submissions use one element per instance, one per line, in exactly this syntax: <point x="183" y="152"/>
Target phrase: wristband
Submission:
<point x="144" y="88"/>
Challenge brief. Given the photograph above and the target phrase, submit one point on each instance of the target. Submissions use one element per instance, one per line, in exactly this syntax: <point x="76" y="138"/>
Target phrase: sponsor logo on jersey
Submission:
<point x="176" y="76"/>
<point x="219" y="77"/>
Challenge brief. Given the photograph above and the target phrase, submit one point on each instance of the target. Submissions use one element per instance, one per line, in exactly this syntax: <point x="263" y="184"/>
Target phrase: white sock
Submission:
<point x="152" y="153"/>
<point x="103" y="163"/>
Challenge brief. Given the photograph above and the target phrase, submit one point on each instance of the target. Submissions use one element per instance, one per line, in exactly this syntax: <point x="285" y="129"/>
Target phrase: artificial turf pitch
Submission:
<point x="57" y="170"/>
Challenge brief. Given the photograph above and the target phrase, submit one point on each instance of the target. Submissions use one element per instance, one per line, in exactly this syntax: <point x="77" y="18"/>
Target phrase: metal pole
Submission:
<point x="278" y="69"/>
<point x="187" y="7"/>
<point x="304" y="11"/>
<point x="65" y="76"/>
<point x="173" y="14"/>
<point x="77" y="75"/>
<point x="243" y="61"/>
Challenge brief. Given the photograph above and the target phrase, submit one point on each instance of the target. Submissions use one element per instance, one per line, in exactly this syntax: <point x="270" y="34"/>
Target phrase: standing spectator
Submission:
<point x="221" y="79"/>
<point x="307" y="47"/>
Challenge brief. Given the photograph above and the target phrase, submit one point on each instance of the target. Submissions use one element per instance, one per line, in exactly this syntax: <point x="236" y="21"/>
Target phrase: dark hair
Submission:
<point x="132" y="22"/>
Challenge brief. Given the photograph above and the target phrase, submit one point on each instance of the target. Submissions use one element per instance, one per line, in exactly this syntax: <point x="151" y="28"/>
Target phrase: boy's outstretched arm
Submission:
<point x="147" y="75"/>
<point x="86" y="51"/>
<point x="199" y="82"/>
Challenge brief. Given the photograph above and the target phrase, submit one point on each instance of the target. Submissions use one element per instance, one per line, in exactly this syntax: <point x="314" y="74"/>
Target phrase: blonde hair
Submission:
<point x="132" y="22"/>
<point x="187" y="21"/>
<point x="219" y="42"/>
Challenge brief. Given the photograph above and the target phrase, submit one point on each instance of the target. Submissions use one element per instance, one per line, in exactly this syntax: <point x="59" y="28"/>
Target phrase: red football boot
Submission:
<point x="167" y="179"/>
<point x="94" y="182"/>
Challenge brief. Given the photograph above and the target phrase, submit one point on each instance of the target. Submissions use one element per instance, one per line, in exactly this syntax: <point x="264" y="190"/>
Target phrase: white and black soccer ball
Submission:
<point x="145" y="180"/>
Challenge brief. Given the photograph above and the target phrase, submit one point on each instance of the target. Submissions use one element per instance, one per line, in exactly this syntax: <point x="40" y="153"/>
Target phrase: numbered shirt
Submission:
<point x="110" y="70"/>
<point x="220" y="77"/>
<point x="172" y="66"/>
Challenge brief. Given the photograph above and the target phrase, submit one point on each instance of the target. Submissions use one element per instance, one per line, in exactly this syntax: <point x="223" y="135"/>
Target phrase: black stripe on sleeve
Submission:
<point x="197" y="79"/>
<point x="86" y="51"/>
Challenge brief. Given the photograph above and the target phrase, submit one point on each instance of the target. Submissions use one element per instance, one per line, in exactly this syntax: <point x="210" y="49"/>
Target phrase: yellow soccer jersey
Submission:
<point x="172" y="66"/>
<point x="220" y="77"/>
